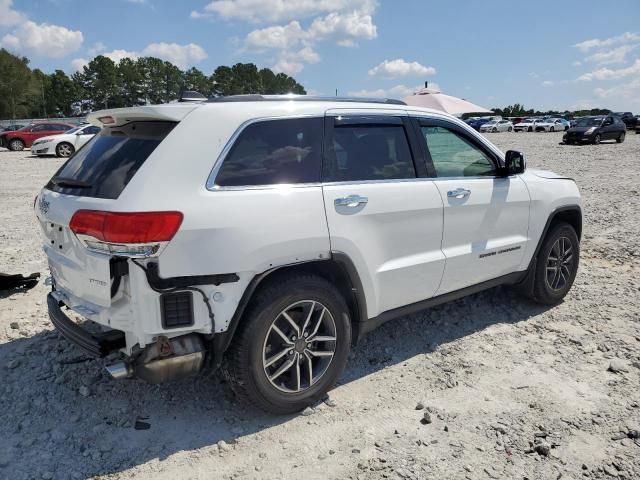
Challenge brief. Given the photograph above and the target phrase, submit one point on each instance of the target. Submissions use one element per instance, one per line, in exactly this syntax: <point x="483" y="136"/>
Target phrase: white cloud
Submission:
<point x="398" y="91"/>
<point x="292" y="63"/>
<point x="548" y="83"/>
<point x="79" y="63"/>
<point x="615" y="55"/>
<point x="610" y="74"/>
<point x="43" y="40"/>
<point x="577" y="63"/>
<point x="8" y="16"/>
<point x="627" y="37"/>
<point x="344" y="28"/>
<point x="277" y="37"/>
<point x="97" y="48"/>
<point x="258" y="11"/>
<point x="400" y="68"/>
<point x="180" y="55"/>
<point x="626" y="94"/>
<point x="117" y="55"/>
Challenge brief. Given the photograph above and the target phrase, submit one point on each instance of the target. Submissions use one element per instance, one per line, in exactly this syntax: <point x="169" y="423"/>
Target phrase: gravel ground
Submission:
<point x="486" y="387"/>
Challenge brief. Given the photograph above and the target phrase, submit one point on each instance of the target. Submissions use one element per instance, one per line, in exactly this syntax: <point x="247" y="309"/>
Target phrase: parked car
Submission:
<point x="297" y="225"/>
<point x="595" y="129"/>
<point x="476" y="123"/>
<point x="66" y="143"/>
<point x="628" y="118"/>
<point x="24" y="138"/>
<point x="550" y="125"/>
<point x="638" y="124"/>
<point x="527" y="125"/>
<point x="497" y="126"/>
<point x="11" y="128"/>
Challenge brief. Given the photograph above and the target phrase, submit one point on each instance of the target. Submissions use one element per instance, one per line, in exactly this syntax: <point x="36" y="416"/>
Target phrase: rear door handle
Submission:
<point x="351" y="201"/>
<point x="458" y="193"/>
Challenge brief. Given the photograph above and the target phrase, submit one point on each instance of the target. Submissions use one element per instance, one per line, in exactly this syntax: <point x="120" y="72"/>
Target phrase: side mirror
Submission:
<point x="514" y="163"/>
<point x="80" y="133"/>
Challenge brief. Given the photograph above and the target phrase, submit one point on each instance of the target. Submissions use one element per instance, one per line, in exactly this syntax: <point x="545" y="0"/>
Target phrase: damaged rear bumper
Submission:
<point x="96" y="345"/>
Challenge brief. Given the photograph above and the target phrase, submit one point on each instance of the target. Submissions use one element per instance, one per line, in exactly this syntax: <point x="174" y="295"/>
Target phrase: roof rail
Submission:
<point x="191" y="96"/>
<point x="303" y="98"/>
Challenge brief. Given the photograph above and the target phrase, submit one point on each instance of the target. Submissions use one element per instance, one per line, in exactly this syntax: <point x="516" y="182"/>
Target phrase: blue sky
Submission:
<point x="545" y="54"/>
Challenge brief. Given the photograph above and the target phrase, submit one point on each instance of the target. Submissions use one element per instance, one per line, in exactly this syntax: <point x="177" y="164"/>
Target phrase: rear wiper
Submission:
<point x="69" y="182"/>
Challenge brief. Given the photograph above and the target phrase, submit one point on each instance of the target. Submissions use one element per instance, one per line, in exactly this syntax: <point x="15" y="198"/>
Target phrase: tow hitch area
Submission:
<point x="166" y="360"/>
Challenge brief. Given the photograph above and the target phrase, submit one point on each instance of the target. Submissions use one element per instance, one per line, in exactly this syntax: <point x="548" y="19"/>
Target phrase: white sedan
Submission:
<point x="497" y="126"/>
<point x="551" y="125"/>
<point x="65" y="144"/>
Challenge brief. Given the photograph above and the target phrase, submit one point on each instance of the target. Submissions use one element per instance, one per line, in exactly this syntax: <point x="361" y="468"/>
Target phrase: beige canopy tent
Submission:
<point x="433" y="98"/>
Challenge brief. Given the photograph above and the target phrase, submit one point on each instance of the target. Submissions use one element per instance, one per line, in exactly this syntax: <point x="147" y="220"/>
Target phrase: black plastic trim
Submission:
<point x="373" y="323"/>
<point x="159" y="283"/>
<point x="163" y="307"/>
<point x="303" y="98"/>
<point x="96" y="345"/>
<point x="552" y="215"/>
<point x="356" y="284"/>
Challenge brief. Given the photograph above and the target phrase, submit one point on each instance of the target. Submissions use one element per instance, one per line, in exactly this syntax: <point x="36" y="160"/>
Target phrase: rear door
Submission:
<point x="486" y="217"/>
<point x="382" y="210"/>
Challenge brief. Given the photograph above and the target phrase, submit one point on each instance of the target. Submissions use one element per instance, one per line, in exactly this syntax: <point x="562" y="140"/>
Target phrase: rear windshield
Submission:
<point x="110" y="160"/>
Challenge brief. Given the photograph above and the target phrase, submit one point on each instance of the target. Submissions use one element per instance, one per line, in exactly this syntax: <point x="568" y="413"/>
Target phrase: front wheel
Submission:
<point x="530" y="129"/>
<point x="556" y="265"/>
<point x="509" y="129"/>
<point x="620" y="139"/>
<point x="16" y="145"/>
<point x="596" y="139"/>
<point x="291" y="346"/>
<point x="494" y="130"/>
<point x="552" y="129"/>
<point x="64" y="149"/>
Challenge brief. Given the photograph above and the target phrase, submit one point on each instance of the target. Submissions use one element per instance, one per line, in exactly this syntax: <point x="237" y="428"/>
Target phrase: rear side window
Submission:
<point x="370" y="152"/>
<point x="274" y="152"/>
<point x="105" y="165"/>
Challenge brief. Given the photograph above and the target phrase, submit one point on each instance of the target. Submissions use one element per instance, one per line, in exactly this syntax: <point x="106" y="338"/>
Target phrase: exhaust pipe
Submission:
<point x="120" y="370"/>
<point x="166" y="360"/>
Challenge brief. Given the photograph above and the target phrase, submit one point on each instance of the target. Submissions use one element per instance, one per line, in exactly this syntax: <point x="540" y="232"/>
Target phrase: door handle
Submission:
<point x="351" y="201"/>
<point x="459" y="193"/>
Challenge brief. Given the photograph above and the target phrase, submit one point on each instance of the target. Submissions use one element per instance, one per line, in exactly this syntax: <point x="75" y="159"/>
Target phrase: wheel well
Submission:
<point x="330" y="270"/>
<point x="15" y="138"/>
<point x="573" y="217"/>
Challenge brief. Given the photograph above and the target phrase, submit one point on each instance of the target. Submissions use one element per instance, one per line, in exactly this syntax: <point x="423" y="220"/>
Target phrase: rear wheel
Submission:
<point x="530" y="129"/>
<point x="16" y="145"/>
<point x="620" y="138"/>
<point x="292" y="345"/>
<point x="556" y="265"/>
<point x="64" y="149"/>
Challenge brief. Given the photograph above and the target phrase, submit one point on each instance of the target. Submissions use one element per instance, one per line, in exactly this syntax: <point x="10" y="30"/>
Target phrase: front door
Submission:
<point x="382" y="210"/>
<point x="486" y="217"/>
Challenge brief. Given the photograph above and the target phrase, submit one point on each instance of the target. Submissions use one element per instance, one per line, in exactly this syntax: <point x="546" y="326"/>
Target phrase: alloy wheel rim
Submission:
<point x="559" y="264"/>
<point x="299" y="346"/>
<point x="65" y="151"/>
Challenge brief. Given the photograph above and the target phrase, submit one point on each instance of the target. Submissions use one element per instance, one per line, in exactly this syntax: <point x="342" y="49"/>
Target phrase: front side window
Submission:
<point x="454" y="155"/>
<point x="274" y="152"/>
<point x="369" y="152"/>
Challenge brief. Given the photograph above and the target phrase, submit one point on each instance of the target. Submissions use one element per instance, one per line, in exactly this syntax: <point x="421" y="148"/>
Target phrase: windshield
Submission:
<point x="589" y="122"/>
<point x="492" y="122"/>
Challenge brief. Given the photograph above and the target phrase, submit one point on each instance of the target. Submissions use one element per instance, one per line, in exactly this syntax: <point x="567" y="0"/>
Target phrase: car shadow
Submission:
<point x="61" y="404"/>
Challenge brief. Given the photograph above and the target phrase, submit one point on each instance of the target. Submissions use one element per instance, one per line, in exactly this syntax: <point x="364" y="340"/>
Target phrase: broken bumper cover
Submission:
<point x="97" y="345"/>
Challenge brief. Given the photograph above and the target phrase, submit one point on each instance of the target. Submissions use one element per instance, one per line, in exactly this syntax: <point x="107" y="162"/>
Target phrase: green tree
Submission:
<point x="130" y="82"/>
<point x="244" y="78"/>
<point x="100" y="82"/>
<point x="194" y="79"/>
<point x="16" y="89"/>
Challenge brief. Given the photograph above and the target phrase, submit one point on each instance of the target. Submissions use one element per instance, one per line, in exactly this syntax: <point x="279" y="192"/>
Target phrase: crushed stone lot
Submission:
<point x="488" y="387"/>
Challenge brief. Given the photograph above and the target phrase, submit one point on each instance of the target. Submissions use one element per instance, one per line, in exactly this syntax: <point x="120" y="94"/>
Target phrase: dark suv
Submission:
<point x="628" y="118"/>
<point x="595" y="129"/>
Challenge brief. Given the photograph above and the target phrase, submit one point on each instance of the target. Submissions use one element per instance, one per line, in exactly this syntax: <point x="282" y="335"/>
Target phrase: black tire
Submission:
<point x="530" y="129"/>
<point x="244" y="367"/>
<point x="620" y="139"/>
<point x="552" y="129"/>
<point x="510" y="129"/>
<point x="596" y="139"/>
<point x="543" y="291"/>
<point x="64" y="149"/>
<point x="16" y="145"/>
<point x="494" y="130"/>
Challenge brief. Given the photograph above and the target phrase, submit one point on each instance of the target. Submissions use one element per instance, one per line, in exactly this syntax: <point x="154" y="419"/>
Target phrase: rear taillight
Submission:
<point x="135" y="233"/>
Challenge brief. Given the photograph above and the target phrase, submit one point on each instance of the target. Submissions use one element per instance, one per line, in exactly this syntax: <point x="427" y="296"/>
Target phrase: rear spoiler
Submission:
<point x="173" y="112"/>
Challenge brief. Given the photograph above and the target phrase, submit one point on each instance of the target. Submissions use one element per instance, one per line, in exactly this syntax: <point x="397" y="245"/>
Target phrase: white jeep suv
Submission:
<point x="265" y="235"/>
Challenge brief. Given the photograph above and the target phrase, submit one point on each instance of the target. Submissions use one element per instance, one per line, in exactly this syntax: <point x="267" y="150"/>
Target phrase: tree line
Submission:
<point x="103" y="83"/>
